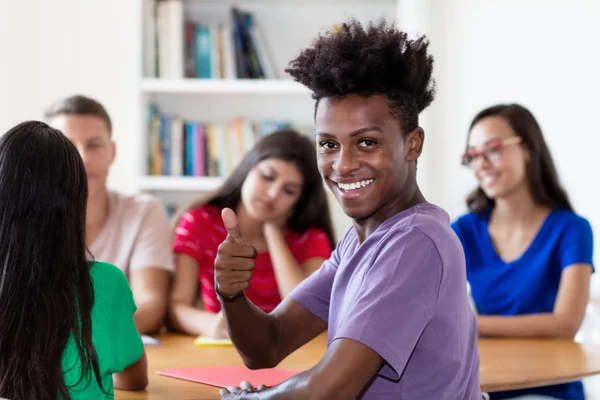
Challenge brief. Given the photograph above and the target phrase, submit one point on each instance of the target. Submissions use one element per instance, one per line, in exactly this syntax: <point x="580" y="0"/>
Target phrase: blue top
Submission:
<point x="529" y="284"/>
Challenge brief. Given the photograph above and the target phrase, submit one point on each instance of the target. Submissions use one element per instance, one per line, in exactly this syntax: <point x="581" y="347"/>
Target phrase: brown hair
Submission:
<point x="311" y="210"/>
<point x="541" y="173"/>
<point x="79" y="105"/>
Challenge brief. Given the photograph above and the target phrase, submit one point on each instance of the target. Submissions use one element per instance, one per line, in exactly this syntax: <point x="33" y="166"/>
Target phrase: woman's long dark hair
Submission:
<point x="311" y="209"/>
<point x="46" y="292"/>
<point x="542" y="177"/>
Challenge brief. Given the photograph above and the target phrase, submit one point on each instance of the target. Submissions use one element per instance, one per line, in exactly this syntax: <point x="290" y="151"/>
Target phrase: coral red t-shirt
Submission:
<point x="201" y="231"/>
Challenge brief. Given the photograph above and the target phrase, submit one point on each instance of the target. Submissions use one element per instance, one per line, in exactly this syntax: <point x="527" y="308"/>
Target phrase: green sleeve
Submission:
<point x="117" y="340"/>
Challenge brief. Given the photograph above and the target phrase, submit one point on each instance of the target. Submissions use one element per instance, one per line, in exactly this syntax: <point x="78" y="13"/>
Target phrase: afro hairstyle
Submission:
<point x="376" y="60"/>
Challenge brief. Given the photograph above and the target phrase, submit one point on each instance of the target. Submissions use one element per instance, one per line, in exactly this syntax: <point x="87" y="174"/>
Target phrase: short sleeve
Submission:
<point x="314" y="293"/>
<point x="576" y="245"/>
<point x="464" y="229"/>
<point x="118" y="341"/>
<point x="458" y="230"/>
<point x="128" y="339"/>
<point x="401" y="285"/>
<point x="153" y="245"/>
<point x="312" y="244"/>
<point x="190" y="230"/>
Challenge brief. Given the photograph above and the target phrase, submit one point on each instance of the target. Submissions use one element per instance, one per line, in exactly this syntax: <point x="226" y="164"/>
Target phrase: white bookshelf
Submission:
<point x="180" y="183"/>
<point x="222" y="86"/>
<point x="287" y="26"/>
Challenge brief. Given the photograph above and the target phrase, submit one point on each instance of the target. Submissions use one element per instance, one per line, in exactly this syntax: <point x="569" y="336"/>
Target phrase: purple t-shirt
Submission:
<point x="402" y="292"/>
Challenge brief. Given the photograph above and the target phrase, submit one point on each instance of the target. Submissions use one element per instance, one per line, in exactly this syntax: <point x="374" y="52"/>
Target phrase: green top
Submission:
<point x="116" y="340"/>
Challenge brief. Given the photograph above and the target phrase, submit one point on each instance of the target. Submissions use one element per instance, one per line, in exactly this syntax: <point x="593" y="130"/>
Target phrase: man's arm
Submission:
<point x="342" y="373"/>
<point x="150" y="288"/>
<point x="273" y="336"/>
<point x="397" y="287"/>
<point x="263" y="340"/>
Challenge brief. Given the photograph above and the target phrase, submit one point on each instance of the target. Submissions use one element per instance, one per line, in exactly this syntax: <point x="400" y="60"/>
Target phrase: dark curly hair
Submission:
<point x="378" y="60"/>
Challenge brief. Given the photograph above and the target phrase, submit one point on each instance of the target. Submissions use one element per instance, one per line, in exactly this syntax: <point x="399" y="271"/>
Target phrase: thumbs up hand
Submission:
<point x="235" y="259"/>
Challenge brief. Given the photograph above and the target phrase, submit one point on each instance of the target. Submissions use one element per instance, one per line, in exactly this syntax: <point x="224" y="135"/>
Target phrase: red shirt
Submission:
<point x="201" y="231"/>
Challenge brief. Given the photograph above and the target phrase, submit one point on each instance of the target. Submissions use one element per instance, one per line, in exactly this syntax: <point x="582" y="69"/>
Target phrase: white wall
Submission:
<point x="55" y="48"/>
<point x="540" y="53"/>
<point x="50" y="49"/>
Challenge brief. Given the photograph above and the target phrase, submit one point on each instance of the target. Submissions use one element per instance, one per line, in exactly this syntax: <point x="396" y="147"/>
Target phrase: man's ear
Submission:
<point x="414" y="144"/>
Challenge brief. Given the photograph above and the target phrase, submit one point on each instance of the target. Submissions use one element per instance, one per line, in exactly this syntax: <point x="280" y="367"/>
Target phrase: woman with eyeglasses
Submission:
<point x="528" y="254"/>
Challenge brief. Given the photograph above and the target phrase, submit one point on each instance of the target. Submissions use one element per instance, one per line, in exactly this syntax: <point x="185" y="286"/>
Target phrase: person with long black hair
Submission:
<point x="282" y="206"/>
<point x="66" y="324"/>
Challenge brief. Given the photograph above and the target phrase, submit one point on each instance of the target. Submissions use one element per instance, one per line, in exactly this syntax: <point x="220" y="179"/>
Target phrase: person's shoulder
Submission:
<point x="561" y="215"/>
<point x="469" y="218"/>
<point x="409" y="235"/>
<point x="107" y="275"/>
<point x="312" y="233"/>
<point x="470" y="223"/>
<point x="203" y="214"/>
<point x="422" y="217"/>
<point x="410" y="224"/>
<point x="133" y="202"/>
<point x="348" y="241"/>
<point x="425" y="225"/>
<point x="113" y="298"/>
<point x="567" y="219"/>
<point x="206" y="211"/>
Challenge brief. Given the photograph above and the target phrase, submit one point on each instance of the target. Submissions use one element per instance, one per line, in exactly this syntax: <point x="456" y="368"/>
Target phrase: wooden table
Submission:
<point x="508" y="364"/>
<point x="505" y="364"/>
<point x="177" y="351"/>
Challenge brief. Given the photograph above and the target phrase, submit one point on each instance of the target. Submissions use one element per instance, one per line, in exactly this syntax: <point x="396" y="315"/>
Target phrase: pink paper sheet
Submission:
<point x="230" y="376"/>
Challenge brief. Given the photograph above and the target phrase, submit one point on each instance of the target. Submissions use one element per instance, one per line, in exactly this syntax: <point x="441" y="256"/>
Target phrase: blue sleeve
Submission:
<point x="458" y="230"/>
<point x="576" y="245"/>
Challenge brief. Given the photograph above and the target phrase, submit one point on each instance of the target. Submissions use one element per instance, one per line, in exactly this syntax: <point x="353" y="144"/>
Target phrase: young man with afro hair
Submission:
<point x="393" y="294"/>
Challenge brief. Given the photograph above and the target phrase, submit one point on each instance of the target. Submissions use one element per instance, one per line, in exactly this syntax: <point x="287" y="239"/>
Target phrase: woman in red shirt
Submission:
<point x="278" y="196"/>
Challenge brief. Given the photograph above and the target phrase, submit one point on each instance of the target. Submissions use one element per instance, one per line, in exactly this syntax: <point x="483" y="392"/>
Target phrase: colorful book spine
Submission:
<point x="203" y="49"/>
<point x="193" y="148"/>
<point x="199" y="151"/>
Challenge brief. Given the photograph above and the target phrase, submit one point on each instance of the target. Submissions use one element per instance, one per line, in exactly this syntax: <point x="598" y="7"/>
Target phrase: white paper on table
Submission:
<point x="149" y="340"/>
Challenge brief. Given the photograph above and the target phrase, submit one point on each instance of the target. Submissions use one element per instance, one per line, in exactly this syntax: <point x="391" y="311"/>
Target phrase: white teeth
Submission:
<point x="355" y="185"/>
<point x="488" y="179"/>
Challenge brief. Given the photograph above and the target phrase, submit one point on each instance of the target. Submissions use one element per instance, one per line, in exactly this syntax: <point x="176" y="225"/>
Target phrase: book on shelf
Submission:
<point x="178" y="48"/>
<point x="179" y="147"/>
